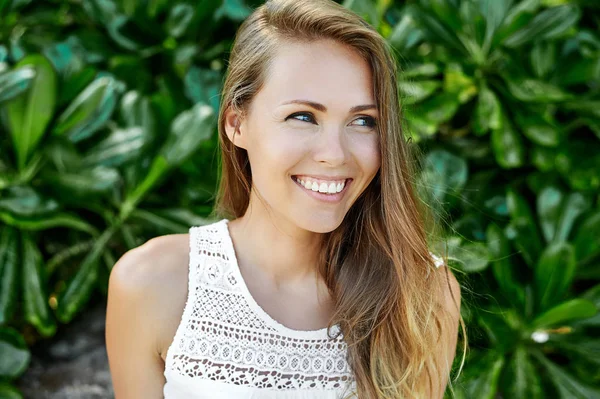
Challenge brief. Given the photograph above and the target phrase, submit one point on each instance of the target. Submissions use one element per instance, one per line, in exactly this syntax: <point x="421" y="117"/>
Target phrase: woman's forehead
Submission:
<point x="323" y="71"/>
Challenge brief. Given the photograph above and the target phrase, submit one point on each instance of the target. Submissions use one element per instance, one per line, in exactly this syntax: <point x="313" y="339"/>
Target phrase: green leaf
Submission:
<point x="79" y="289"/>
<point x="25" y="201"/>
<point x="406" y="34"/>
<point x="473" y="257"/>
<point x="157" y="6"/>
<point x="559" y="212"/>
<point x="578" y="346"/>
<point x="543" y="58"/>
<point x="168" y="221"/>
<point x="502" y="264"/>
<point x="593" y="294"/>
<point x="580" y="71"/>
<point x="415" y="123"/>
<point x="507" y="144"/>
<point x="538" y="129"/>
<point x="83" y="184"/>
<point x="101" y="11"/>
<point x="440" y="108"/>
<point x="30" y="113"/>
<point x="236" y="10"/>
<point x="427" y="70"/>
<point x="35" y="298"/>
<point x="159" y="223"/>
<point x="7" y="391"/>
<point x="15" y="355"/>
<point x="578" y="161"/>
<point x="488" y="113"/>
<point x="536" y="91"/>
<point x="437" y="30"/>
<point x="543" y="158"/>
<point x="584" y="106"/>
<point x="549" y="203"/>
<point x="517" y="17"/>
<point x="443" y="175"/>
<point x="568" y="386"/>
<point x="364" y="8"/>
<point x="9" y="262"/>
<point x="587" y="237"/>
<point x="522" y="229"/>
<point x="188" y="131"/>
<point x="119" y="147"/>
<point x="89" y="111"/>
<point x="570" y="310"/>
<point x="548" y="24"/>
<point x="203" y="86"/>
<point x="554" y="273"/>
<point x="522" y="380"/>
<point x="446" y="12"/>
<point x="158" y="170"/>
<point x="47" y="222"/>
<point x="482" y="376"/>
<point x="129" y="7"/>
<point x="179" y="19"/>
<point x="493" y="13"/>
<point x="13" y="83"/>
<point x="457" y="82"/>
<point x="501" y="334"/>
<point x="413" y="92"/>
<point x="136" y="110"/>
<point x="118" y="30"/>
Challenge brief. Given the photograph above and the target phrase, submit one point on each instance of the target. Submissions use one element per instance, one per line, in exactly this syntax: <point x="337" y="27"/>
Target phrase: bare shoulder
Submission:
<point x="155" y="276"/>
<point x="450" y="295"/>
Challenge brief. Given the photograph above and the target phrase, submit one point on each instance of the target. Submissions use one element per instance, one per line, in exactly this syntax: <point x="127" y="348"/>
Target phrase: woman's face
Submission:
<point x="310" y="134"/>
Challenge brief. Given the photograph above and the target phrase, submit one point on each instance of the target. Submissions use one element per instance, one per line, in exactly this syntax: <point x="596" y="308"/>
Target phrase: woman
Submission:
<point x="322" y="284"/>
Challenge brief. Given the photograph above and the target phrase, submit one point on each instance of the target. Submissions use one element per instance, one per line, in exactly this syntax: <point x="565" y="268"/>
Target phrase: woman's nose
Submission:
<point x="330" y="147"/>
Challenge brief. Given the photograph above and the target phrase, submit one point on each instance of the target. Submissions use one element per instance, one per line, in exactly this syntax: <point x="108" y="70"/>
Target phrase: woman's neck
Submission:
<point x="274" y="245"/>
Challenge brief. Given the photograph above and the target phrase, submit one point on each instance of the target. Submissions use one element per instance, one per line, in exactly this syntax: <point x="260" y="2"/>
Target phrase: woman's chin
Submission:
<point x="321" y="223"/>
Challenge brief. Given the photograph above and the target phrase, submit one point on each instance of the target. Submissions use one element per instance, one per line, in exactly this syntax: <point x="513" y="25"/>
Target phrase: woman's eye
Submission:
<point x="301" y="116"/>
<point x="368" y="121"/>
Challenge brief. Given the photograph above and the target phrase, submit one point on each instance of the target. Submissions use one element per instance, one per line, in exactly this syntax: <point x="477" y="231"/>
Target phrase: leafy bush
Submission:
<point x="107" y="138"/>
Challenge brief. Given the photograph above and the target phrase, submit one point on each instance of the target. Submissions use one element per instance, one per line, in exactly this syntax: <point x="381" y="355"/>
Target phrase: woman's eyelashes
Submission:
<point x="306" y="114"/>
<point x="370" y="122"/>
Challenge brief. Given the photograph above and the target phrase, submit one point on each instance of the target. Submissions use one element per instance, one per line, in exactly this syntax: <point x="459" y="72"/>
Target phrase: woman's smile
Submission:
<point x="326" y="190"/>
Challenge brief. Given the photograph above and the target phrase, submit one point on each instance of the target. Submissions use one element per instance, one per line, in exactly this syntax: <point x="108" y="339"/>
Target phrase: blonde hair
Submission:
<point x="377" y="263"/>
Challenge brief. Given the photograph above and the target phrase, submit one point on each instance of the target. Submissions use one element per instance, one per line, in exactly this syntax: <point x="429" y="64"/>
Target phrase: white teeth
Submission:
<point x="327" y="188"/>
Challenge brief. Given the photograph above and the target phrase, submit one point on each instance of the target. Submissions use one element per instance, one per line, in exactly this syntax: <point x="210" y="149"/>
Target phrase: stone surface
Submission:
<point x="74" y="365"/>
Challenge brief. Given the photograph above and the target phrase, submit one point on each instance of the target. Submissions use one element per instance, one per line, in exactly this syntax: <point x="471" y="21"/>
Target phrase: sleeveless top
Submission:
<point x="227" y="346"/>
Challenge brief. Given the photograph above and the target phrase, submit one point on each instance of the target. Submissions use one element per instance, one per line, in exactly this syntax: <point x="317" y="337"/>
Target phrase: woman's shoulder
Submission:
<point x="148" y="265"/>
<point x="154" y="276"/>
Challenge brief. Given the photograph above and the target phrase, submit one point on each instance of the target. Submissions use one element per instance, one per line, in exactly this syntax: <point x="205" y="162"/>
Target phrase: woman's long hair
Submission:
<point x="377" y="263"/>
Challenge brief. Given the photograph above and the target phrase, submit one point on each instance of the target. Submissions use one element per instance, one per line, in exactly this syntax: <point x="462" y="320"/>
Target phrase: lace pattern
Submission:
<point x="225" y="336"/>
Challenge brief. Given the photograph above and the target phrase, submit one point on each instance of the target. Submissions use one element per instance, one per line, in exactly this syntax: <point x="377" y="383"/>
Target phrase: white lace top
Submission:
<point x="227" y="346"/>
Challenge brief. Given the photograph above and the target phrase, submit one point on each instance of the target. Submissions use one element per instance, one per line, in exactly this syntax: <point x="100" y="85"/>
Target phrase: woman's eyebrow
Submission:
<point x="322" y="108"/>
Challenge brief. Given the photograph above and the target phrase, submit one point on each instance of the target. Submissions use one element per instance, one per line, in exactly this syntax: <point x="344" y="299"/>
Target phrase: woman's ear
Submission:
<point x="234" y="128"/>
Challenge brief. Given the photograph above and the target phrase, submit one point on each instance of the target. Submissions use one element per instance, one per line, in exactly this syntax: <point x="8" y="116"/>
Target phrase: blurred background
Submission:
<point x="108" y="138"/>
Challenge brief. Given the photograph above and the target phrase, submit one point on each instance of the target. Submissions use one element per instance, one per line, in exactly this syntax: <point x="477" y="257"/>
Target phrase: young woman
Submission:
<point x="317" y="280"/>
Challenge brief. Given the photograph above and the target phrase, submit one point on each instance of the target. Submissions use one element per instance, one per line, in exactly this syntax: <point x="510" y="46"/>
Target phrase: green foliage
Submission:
<point x="107" y="138"/>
